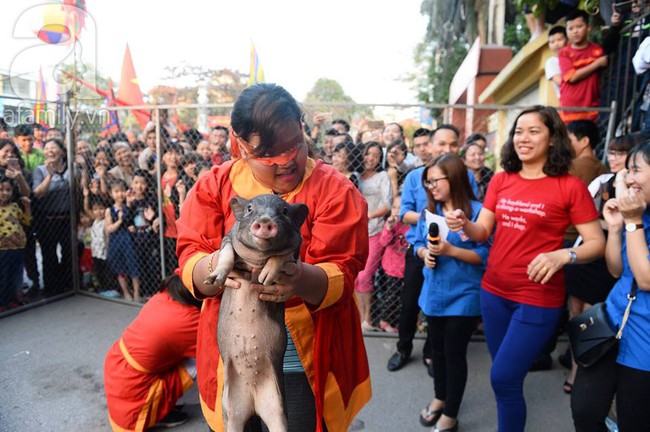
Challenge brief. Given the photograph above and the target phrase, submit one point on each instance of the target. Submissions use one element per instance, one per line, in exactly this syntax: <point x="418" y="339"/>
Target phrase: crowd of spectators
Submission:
<point x="126" y="233"/>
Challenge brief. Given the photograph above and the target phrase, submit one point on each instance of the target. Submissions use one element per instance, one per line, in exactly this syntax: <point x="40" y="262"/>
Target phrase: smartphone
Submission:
<point x="624" y="8"/>
<point x="328" y="116"/>
<point x="375" y="124"/>
<point x="13" y="163"/>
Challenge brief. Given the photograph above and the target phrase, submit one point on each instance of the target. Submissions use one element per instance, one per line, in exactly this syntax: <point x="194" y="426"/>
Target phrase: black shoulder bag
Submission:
<point x="592" y="335"/>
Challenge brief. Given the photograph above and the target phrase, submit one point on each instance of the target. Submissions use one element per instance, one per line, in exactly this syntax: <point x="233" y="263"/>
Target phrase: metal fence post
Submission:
<point x="161" y="231"/>
<point x="68" y="125"/>
<point x="610" y="131"/>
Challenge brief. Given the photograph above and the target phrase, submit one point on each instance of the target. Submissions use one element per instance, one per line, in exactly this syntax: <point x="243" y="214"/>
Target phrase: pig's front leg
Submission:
<point x="272" y="268"/>
<point x="224" y="267"/>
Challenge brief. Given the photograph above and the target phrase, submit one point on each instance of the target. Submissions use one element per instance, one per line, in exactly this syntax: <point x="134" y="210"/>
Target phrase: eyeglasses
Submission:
<point x="433" y="182"/>
<point x="616" y="154"/>
<point x="280" y="159"/>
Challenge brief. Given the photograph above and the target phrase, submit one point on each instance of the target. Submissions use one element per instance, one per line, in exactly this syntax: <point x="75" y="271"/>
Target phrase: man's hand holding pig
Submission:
<point x="203" y="268"/>
<point x="286" y="285"/>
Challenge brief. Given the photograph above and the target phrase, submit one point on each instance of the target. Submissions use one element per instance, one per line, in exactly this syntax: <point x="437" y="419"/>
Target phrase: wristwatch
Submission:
<point x="631" y="227"/>
<point x="574" y="256"/>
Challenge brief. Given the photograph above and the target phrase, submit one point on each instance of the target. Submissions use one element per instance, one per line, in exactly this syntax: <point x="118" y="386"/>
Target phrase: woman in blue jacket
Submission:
<point x="450" y="295"/>
<point x="624" y="372"/>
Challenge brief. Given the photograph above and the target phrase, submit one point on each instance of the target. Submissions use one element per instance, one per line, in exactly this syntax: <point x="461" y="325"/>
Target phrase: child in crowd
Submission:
<point x="24" y="139"/>
<point x="100" y="177"/>
<point x="557" y="40"/>
<point x="102" y="277"/>
<point x="144" y="228"/>
<point x="204" y="151"/>
<point x="174" y="192"/>
<point x="121" y="256"/>
<point x="201" y="168"/>
<point x="92" y="193"/>
<point x="84" y="241"/>
<point x="12" y="244"/>
<point x="580" y="64"/>
<point x="189" y="163"/>
<point x="393" y="241"/>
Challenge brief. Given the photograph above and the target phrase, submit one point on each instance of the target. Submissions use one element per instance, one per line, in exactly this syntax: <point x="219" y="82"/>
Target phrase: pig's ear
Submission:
<point x="298" y="213"/>
<point x="238" y="206"/>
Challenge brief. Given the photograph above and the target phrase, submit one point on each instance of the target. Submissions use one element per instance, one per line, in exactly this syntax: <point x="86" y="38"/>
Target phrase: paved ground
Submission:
<point x="51" y="361"/>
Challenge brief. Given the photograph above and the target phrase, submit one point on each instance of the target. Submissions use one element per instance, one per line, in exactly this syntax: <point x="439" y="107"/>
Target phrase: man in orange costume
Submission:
<point x="327" y="335"/>
<point x="145" y="370"/>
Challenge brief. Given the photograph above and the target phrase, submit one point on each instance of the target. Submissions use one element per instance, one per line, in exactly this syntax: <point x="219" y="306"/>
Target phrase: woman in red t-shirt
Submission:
<point x="531" y="204"/>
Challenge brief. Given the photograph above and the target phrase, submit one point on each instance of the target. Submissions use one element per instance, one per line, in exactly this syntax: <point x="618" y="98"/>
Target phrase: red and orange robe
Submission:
<point x="143" y="371"/>
<point x="328" y="336"/>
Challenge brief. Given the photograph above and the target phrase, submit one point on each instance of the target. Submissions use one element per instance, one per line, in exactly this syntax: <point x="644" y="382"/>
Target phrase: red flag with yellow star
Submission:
<point x="129" y="90"/>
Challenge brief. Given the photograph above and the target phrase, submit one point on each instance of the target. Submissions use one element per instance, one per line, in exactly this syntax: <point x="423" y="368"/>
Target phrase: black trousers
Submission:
<point x="408" y="317"/>
<point x="594" y="390"/>
<point x="31" y="266"/>
<point x="449" y="337"/>
<point x="57" y="274"/>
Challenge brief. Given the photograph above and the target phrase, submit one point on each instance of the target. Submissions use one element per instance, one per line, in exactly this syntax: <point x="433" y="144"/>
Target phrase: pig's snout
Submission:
<point x="264" y="228"/>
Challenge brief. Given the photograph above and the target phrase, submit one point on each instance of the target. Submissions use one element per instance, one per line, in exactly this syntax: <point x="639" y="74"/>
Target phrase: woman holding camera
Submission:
<point x="12" y="166"/>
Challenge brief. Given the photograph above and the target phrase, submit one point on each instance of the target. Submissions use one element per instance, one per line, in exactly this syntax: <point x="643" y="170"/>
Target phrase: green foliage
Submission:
<point x="447" y="68"/>
<point x="537" y="6"/>
<point x="221" y="86"/>
<point x="516" y="34"/>
<point x="328" y="90"/>
<point x="81" y="97"/>
<point x="441" y="68"/>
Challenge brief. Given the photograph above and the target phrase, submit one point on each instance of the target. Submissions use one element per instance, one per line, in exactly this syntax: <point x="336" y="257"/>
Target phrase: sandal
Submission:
<point x="567" y="387"/>
<point x="387" y="327"/>
<point x="454" y="428"/>
<point x="430" y="418"/>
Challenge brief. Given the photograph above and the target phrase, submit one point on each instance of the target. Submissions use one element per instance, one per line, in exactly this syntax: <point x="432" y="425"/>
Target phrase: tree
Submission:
<point x="516" y="35"/>
<point x="81" y="97"/>
<point x="538" y="6"/>
<point x="453" y="26"/>
<point x="328" y="90"/>
<point x="222" y="86"/>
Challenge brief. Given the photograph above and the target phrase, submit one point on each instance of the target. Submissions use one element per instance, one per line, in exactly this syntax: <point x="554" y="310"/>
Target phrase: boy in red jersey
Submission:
<point x="580" y="63"/>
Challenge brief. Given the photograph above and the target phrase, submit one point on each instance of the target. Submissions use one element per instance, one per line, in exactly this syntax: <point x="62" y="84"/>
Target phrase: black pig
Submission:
<point x="251" y="334"/>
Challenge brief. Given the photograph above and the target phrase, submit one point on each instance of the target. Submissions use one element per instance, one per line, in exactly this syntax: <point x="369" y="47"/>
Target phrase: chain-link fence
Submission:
<point x="127" y="173"/>
<point x="37" y="251"/>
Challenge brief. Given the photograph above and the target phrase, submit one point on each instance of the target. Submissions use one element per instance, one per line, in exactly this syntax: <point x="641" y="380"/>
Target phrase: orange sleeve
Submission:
<point x="201" y="223"/>
<point x="338" y="233"/>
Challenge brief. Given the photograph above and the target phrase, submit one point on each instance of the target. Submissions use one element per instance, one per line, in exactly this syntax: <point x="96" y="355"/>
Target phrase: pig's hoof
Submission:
<point x="216" y="279"/>
<point x="266" y="277"/>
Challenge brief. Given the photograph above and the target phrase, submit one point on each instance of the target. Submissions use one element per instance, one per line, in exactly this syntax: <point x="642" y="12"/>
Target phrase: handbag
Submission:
<point x="592" y="334"/>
